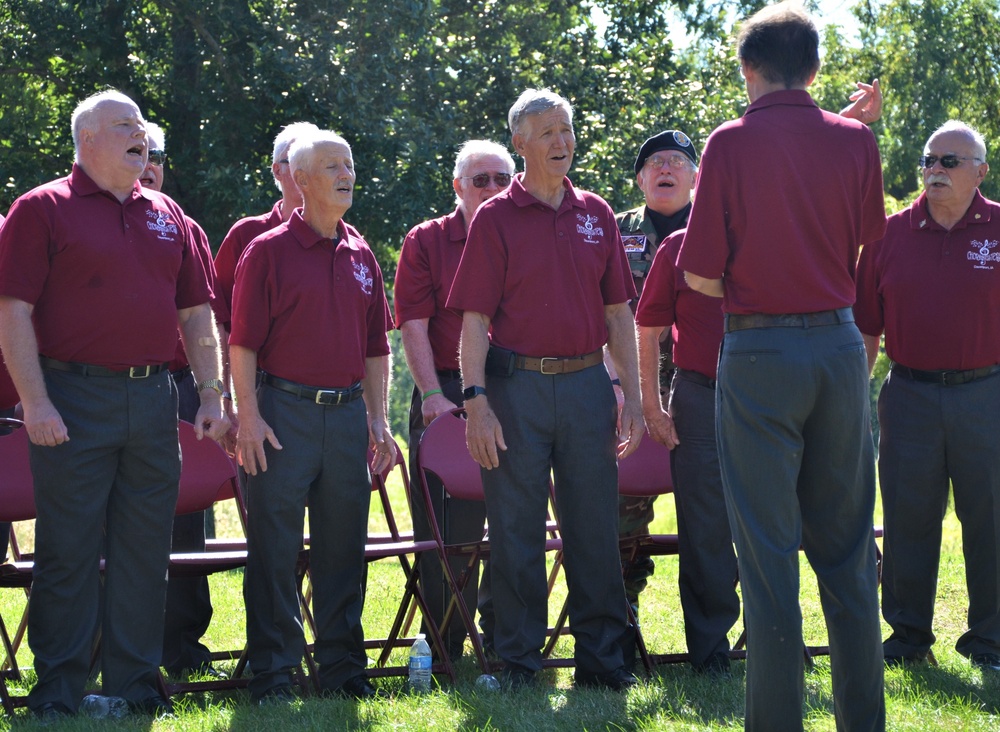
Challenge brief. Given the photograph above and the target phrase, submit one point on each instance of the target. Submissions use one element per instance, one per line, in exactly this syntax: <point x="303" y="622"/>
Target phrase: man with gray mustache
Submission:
<point x="932" y="285"/>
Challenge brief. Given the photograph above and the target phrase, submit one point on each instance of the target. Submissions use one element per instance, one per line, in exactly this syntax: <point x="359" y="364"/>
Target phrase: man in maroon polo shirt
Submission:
<point x="708" y="572"/>
<point x="189" y="603"/>
<point x="310" y="315"/>
<point x="8" y="401"/>
<point x="247" y="229"/>
<point x="778" y="242"/>
<point x="932" y="284"/>
<point x="96" y="273"/>
<point x="431" y="331"/>
<point x="544" y="273"/>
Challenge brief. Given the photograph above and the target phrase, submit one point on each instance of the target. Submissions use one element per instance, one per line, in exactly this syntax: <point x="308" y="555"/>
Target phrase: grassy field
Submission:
<point x="950" y="697"/>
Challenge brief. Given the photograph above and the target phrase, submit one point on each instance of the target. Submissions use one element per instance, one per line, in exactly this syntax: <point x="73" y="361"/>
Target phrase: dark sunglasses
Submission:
<point x="947" y="161"/>
<point x="157" y="157"/>
<point x="483" y="179"/>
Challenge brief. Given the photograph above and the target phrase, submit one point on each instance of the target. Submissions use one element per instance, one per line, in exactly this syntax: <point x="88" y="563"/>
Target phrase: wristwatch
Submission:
<point x="215" y="385"/>
<point x="471" y="392"/>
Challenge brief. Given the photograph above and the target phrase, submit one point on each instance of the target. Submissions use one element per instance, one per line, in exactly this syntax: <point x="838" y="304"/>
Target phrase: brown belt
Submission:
<point x="945" y="378"/>
<point x="549" y="365"/>
<point x="788" y="320"/>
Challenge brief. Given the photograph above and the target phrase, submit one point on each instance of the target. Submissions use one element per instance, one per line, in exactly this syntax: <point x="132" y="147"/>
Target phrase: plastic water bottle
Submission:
<point x="487" y="682"/>
<point x="420" y="665"/>
<point x="97" y="706"/>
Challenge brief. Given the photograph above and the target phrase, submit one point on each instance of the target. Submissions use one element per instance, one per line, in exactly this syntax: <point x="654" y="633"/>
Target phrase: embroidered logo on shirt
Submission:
<point x="361" y="272"/>
<point x="984" y="253"/>
<point x="161" y="224"/>
<point x="588" y="229"/>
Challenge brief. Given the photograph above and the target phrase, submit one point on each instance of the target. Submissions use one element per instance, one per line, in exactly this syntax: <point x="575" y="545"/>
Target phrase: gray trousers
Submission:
<point x="458" y="521"/>
<point x="189" y="604"/>
<point x="113" y="484"/>
<point x="565" y="424"/>
<point x="798" y="469"/>
<point x="932" y="435"/>
<point x="324" y="464"/>
<point x="707" y="560"/>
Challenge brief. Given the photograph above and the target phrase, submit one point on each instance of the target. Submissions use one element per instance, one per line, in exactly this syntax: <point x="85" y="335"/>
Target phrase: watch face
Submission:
<point x="473" y="391"/>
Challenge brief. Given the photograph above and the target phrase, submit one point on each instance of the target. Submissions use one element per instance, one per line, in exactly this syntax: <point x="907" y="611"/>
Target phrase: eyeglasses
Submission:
<point x="483" y="179"/>
<point x="947" y="161"/>
<point x="677" y="162"/>
<point x="157" y="157"/>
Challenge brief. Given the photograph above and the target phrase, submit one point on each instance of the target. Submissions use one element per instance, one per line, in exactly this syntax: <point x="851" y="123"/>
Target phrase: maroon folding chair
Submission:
<point x="444" y="454"/>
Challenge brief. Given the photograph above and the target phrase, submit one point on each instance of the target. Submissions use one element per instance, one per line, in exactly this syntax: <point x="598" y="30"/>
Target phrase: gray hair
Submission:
<point x="472" y="150"/>
<point x="535" y="101"/>
<point x="84" y="112"/>
<point x="284" y="139"/>
<point x="156" y="137"/>
<point x="301" y="153"/>
<point x="954" y="125"/>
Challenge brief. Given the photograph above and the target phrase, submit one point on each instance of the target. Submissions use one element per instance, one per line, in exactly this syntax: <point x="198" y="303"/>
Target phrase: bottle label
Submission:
<point x="420" y="662"/>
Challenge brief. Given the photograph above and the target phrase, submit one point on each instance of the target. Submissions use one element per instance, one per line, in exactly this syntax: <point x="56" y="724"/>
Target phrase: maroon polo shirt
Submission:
<point x="543" y="276"/>
<point x="8" y="394"/>
<point x="785" y="196"/>
<point x="935" y="293"/>
<point x="106" y="279"/>
<point x="312" y="311"/>
<point x="427" y="265"/>
<point x="695" y="320"/>
<point x="219" y="309"/>
<point x="237" y="240"/>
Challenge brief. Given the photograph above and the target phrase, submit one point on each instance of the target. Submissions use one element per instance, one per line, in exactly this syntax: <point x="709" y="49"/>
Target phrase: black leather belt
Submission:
<point x="568" y="365"/>
<point x="788" y="320"/>
<point x="87" y="369"/>
<point x="945" y="378"/>
<point x="326" y="397"/>
<point x="695" y="377"/>
<point x="449" y="374"/>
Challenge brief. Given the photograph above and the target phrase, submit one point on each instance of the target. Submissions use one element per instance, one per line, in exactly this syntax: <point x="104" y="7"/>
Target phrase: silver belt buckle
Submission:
<point x="321" y="392"/>
<point x="542" y="366"/>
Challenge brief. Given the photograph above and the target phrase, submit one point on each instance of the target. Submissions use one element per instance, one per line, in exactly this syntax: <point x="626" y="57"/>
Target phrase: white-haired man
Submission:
<point x="544" y="272"/>
<point x="312" y="373"/>
<point x="932" y="285"/>
<point x="96" y="274"/>
<point x="431" y="331"/>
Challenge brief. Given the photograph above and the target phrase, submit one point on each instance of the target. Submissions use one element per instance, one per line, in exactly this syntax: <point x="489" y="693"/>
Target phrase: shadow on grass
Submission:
<point x="943" y="686"/>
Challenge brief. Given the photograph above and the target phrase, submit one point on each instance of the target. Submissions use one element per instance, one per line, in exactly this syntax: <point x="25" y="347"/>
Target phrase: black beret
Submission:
<point x="668" y="140"/>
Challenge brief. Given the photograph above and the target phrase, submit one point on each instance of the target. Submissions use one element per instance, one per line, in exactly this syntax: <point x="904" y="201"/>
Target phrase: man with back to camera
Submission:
<point x="778" y="242"/>
<point x="543" y="272"/>
<point x="313" y="374"/>
<point x="430" y="333"/>
<point x="189" y="603"/>
<point x="932" y="284"/>
<point x="96" y="274"/>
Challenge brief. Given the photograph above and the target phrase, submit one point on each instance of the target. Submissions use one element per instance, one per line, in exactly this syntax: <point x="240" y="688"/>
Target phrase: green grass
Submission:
<point x="950" y="697"/>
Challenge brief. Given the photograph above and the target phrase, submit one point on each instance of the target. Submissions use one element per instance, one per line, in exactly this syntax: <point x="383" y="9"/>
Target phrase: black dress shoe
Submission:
<point x="716" y="666"/>
<point x="276" y="695"/>
<point x="986" y="662"/>
<point x="617" y="680"/>
<point x="515" y="678"/>
<point x="155" y="706"/>
<point x="50" y="712"/>
<point x="358" y="687"/>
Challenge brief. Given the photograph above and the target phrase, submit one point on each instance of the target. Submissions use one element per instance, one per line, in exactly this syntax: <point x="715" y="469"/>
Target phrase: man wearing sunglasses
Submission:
<point x="189" y="605"/>
<point x="431" y="331"/>
<point x="932" y="285"/>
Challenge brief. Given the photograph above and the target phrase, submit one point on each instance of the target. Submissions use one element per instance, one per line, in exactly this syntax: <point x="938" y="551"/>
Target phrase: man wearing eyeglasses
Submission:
<point x="431" y="332"/>
<point x="932" y="285"/>
<point x="774" y="232"/>
<point x="189" y="604"/>
<point x="543" y="286"/>
<point x="666" y="169"/>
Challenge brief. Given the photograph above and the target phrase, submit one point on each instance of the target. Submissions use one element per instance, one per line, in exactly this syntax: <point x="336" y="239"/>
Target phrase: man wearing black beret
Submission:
<point x="665" y="169"/>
